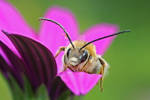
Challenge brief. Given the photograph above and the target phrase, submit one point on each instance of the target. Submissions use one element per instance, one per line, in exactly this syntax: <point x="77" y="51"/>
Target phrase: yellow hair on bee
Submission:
<point x="90" y="48"/>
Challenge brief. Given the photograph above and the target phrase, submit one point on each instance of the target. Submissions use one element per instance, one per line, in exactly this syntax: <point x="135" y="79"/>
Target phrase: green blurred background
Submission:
<point x="128" y="56"/>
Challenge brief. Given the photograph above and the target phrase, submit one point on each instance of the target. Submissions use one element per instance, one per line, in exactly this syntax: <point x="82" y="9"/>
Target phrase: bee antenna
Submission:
<point x="60" y="27"/>
<point x="104" y="38"/>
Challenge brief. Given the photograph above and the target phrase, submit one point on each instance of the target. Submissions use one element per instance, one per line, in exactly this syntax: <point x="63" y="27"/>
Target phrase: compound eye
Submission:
<point x="68" y="52"/>
<point x="84" y="56"/>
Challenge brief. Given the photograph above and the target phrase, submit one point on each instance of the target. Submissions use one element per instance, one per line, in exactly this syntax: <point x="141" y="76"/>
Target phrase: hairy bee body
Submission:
<point x="83" y="60"/>
<point x="81" y="56"/>
<point x="74" y="60"/>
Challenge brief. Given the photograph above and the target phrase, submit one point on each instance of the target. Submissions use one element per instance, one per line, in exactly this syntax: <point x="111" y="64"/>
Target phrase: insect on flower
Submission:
<point x="80" y="56"/>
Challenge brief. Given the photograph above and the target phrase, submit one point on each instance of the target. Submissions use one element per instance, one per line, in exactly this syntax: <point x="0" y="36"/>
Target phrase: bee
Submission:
<point x="80" y="56"/>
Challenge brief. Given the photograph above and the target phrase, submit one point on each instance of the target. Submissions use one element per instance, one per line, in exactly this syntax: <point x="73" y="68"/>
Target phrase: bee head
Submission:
<point x="75" y="56"/>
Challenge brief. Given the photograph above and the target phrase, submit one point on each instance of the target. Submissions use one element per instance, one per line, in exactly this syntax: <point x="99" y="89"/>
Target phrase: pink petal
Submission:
<point x="7" y="42"/>
<point x="100" y="31"/>
<point x="52" y="35"/>
<point x="88" y="81"/>
<point x="79" y="83"/>
<point x="70" y="80"/>
<point x="11" y="21"/>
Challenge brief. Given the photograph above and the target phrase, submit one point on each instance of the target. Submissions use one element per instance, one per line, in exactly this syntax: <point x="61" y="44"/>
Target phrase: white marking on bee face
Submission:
<point x="73" y="61"/>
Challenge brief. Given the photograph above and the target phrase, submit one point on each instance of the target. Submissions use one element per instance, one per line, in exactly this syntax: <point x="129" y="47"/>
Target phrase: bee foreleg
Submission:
<point x="59" y="50"/>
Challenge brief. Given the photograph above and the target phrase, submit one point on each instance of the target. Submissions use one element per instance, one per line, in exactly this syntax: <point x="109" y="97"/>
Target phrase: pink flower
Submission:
<point x="52" y="37"/>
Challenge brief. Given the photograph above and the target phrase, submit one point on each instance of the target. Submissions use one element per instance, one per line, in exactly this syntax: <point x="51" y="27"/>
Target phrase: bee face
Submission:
<point x="75" y="57"/>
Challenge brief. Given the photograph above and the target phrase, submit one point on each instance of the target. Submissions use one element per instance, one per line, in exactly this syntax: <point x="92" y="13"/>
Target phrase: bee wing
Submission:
<point x="100" y="31"/>
<point x="52" y="35"/>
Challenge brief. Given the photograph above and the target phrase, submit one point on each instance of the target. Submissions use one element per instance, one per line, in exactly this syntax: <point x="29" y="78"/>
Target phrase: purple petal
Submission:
<point x="9" y="71"/>
<point x="57" y="88"/>
<point x="3" y="67"/>
<point x="52" y="36"/>
<point x="100" y="31"/>
<point x="79" y="82"/>
<point x="4" y="55"/>
<point x="11" y="67"/>
<point x="38" y="59"/>
<point x="7" y="42"/>
<point x="12" y="21"/>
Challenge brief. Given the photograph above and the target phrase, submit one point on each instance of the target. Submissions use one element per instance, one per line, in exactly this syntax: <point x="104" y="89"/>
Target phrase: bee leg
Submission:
<point x="102" y="70"/>
<point x="101" y="80"/>
<point x="59" y="50"/>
